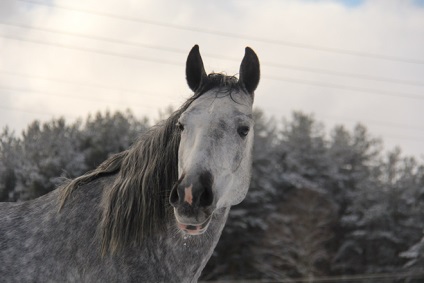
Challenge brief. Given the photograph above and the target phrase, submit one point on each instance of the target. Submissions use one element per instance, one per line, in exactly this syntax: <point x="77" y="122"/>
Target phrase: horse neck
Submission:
<point x="182" y="256"/>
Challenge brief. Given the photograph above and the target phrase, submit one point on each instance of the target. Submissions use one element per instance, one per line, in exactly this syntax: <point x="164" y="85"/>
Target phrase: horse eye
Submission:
<point x="243" y="131"/>
<point x="180" y="126"/>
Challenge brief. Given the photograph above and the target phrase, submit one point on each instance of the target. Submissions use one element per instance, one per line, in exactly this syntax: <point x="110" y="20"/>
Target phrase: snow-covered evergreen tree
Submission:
<point x="384" y="220"/>
<point x="48" y="151"/>
<point x="318" y="205"/>
<point x="105" y="134"/>
<point x="295" y="244"/>
<point x="9" y="160"/>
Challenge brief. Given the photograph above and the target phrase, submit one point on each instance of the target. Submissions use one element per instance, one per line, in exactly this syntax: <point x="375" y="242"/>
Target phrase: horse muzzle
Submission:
<point x="192" y="199"/>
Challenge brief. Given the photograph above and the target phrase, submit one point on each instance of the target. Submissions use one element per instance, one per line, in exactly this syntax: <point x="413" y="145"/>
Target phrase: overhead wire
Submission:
<point x="99" y="51"/>
<point x="231" y="35"/>
<point x="181" y="51"/>
<point x="168" y="62"/>
<point x="349" y="88"/>
<point x="14" y="89"/>
<point x="4" y="88"/>
<point x="379" y="123"/>
<point x="29" y="111"/>
<point x="278" y="78"/>
<point x="44" y="113"/>
<point x="86" y="84"/>
<point x="338" y="120"/>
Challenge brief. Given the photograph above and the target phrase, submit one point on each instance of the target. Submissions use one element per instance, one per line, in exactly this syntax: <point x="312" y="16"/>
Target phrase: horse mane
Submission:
<point x="136" y="205"/>
<point x="221" y="81"/>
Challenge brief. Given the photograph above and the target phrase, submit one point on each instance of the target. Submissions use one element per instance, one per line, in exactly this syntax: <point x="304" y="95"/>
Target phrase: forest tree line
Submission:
<point x="319" y="205"/>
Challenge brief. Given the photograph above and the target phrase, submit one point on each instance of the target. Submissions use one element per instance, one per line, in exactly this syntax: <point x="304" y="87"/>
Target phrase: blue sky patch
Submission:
<point x="352" y="3"/>
<point x="347" y="3"/>
<point x="419" y="3"/>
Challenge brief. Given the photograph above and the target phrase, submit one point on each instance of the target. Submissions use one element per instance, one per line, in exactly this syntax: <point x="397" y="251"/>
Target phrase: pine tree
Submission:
<point x="295" y="243"/>
<point x="48" y="151"/>
<point x="8" y="163"/>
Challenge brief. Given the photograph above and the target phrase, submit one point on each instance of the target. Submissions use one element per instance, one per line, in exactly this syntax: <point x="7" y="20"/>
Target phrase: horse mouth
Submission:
<point x="195" y="229"/>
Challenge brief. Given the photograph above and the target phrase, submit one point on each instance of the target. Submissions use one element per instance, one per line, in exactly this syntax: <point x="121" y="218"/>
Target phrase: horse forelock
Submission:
<point x="222" y="82"/>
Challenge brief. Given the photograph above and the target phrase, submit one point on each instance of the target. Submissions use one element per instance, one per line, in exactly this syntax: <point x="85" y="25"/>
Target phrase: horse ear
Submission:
<point x="249" y="71"/>
<point x="195" y="71"/>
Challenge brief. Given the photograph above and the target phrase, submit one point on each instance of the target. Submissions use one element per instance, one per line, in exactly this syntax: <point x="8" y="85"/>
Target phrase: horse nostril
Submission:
<point x="206" y="180"/>
<point x="173" y="198"/>
<point x="206" y="198"/>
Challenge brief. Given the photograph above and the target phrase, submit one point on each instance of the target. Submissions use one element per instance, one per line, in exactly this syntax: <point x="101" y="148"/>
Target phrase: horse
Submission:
<point x="152" y="213"/>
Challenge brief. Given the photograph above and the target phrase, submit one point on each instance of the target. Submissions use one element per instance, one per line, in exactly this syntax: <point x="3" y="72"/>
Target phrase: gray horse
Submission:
<point x="153" y="213"/>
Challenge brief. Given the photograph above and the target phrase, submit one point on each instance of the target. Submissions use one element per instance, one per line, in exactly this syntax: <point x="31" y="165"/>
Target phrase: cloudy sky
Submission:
<point x="342" y="61"/>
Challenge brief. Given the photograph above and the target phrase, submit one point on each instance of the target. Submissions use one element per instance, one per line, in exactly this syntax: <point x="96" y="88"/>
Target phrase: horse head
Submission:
<point x="215" y="150"/>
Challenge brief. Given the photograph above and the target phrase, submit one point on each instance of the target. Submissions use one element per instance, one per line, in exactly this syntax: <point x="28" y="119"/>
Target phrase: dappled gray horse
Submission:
<point x="153" y="213"/>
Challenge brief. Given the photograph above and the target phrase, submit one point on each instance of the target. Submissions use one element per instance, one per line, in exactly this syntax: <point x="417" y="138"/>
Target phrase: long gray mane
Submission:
<point x="136" y="205"/>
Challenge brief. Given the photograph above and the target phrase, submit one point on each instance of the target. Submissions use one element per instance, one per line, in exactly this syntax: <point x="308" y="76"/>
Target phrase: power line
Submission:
<point x="102" y="52"/>
<point x="161" y="61"/>
<point x="386" y="136"/>
<point x="180" y="51"/>
<point x="406" y="138"/>
<point x="142" y="92"/>
<point x="345" y="74"/>
<point x="150" y="107"/>
<point x="14" y="109"/>
<point x="4" y="88"/>
<point x="290" y="80"/>
<point x="333" y="118"/>
<point x="96" y="37"/>
<point x="380" y="123"/>
<point x="91" y="85"/>
<point x="350" y="88"/>
<point x="233" y="35"/>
